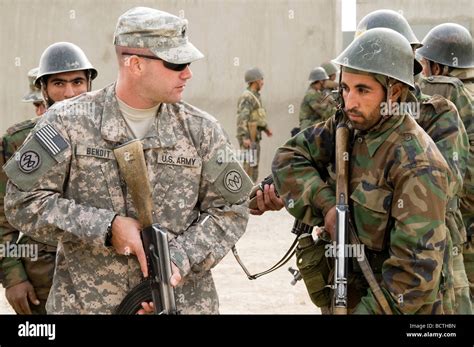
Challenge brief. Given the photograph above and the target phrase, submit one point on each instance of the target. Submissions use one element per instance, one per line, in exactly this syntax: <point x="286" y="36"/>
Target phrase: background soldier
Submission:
<point x="316" y="106"/>
<point x="447" y="48"/>
<point x="64" y="72"/>
<point x="439" y="118"/>
<point x="251" y="121"/>
<point x="330" y="84"/>
<point x="397" y="181"/>
<point x="76" y="194"/>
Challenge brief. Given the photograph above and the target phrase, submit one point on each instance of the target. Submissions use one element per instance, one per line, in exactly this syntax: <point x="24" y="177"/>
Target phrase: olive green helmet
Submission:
<point x="448" y="44"/>
<point x="35" y="93"/>
<point x="253" y="74"/>
<point x="63" y="57"/>
<point x="380" y="51"/>
<point x="330" y="68"/>
<point x="317" y="74"/>
<point x="388" y="19"/>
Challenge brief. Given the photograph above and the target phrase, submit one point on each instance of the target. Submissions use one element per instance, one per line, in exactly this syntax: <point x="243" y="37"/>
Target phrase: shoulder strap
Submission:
<point x="256" y="99"/>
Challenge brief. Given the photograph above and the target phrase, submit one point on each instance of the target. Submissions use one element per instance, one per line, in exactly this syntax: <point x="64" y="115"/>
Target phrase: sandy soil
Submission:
<point x="267" y="238"/>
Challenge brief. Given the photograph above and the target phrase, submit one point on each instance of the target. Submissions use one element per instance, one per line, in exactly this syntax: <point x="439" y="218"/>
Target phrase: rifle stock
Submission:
<point x="132" y="165"/>
<point x="342" y="219"/>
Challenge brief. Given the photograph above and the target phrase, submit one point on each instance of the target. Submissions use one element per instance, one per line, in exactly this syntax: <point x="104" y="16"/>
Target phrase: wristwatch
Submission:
<point x="108" y="235"/>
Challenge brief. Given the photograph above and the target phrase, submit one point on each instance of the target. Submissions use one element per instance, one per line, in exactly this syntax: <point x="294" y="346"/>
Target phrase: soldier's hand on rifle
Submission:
<point x="267" y="201"/>
<point x="246" y="143"/>
<point x="330" y="222"/>
<point x="20" y="295"/>
<point x="175" y="280"/>
<point x="268" y="132"/>
<point x="126" y="240"/>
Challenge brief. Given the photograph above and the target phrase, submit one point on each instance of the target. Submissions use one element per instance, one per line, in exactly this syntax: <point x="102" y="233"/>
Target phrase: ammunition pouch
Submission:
<point x="315" y="269"/>
<point x="259" y="115"/>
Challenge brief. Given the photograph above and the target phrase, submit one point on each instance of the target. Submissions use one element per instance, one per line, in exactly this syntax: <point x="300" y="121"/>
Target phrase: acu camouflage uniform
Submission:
<point x="439" y="118"/>
<point x="38" y="271"/>
<point x="249" y="102"/>
<point x="317" y="106"/>
<point x="454" y="90"/>
<point x="74" y="193"/>
<point x="397" y="192"/>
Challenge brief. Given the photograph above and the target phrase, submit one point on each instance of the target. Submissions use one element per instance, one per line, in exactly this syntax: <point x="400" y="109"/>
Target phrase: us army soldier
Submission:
<point x="74" y="190"/>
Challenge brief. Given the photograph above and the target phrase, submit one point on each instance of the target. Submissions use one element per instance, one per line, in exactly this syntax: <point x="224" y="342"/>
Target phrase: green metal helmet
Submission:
<point x="388" y="19"/>
<point x="380" y="51"/>
<point x="35" y="93"/>
<point x="317" y="74"/>
<point x="253" y="74"/>
<point x="448" y="44"/>
<point x="63" y="57"/>
<point x="330" y="68"/>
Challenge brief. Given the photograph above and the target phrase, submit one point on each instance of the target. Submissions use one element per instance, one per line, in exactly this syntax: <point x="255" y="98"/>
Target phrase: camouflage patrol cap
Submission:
<point x="330" y="68"/>
<point x="253" y="74"/>
<point x="380" y="51"/>
<point x="162" y="33"/>
<point x="317" y="74"/>
<point x="35" y="93"/>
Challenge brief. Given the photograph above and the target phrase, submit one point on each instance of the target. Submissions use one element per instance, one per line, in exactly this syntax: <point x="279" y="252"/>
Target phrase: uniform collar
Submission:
<point x="376" y="136"/>
<point x="115" y="129"/>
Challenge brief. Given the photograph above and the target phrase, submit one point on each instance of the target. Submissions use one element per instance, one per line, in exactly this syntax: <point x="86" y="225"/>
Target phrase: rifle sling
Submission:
<point x="288" y="255"/>
<point x="370" y="277"/>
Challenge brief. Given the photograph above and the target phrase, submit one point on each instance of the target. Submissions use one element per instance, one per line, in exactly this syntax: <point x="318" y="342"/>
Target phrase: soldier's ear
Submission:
<point x="396" y="91"/>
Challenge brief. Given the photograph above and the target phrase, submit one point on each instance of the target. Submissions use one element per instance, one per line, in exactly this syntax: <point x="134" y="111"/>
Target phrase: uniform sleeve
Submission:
<point x="323" y="106"/>
<point x="223" y="194"/>
<point x="35" y="202"/>
<point x="299" y="172"/>
<point x="12" y="267"/>
<point x="244" y="109"/>
<point x="411" y="275"/>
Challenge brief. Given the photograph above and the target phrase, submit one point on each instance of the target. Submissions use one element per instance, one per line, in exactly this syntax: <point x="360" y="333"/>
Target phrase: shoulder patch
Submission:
<point x="228" y="176"/>
<point x="27" y="124"/>
<point x="36" y="157"/>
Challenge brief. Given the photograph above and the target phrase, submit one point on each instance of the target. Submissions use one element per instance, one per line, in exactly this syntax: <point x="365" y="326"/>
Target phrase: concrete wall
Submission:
<point x="423" y="15"/>
<point x="286" y="39"/>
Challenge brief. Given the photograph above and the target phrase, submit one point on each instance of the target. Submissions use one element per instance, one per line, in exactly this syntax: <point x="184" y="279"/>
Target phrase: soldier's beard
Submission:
<point x="361" y="121"/>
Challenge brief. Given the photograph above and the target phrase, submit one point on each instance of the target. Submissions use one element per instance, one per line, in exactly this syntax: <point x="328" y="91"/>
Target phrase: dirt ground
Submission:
<point x="267" y="238"/>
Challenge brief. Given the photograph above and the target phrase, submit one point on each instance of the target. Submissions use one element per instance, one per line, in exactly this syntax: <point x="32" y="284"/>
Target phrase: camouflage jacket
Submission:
<point x="397" y="198"/>
<point x="199" y="194"/>
<point x="12" y="267"/>
<point x="467" y="78"/>
<point x="316" y="107"/>
<point x="454" y="90"/>
<point x="245" y="106"/>
<point x="440" y="119"/>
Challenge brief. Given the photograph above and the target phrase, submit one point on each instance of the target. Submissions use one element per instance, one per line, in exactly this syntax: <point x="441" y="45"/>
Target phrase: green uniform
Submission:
<point x="454" y="90"/>
<point x="316" y="106"/>
<point x="38" y="271"/>
<point x="398" y="185"/>
<point x="248" y="107"/>
<point x="440" y="119"/>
